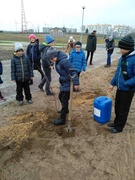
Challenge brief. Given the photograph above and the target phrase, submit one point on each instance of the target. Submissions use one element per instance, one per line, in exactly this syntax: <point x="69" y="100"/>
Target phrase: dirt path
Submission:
<point x="31" y="148"/>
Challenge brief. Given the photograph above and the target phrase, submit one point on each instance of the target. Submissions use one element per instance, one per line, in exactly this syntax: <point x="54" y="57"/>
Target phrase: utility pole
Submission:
<point x="23" y="19"/>
<point x="83" y="7"/>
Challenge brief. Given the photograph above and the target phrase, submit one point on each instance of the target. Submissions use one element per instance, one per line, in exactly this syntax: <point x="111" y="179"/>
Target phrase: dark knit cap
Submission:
<point x="126" y="42"/>
<point x="78" y="43"/>
<point x="51" y="53"/>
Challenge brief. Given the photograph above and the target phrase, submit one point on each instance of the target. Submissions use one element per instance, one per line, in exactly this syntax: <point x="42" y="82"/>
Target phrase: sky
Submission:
<point x="60" y="13"/>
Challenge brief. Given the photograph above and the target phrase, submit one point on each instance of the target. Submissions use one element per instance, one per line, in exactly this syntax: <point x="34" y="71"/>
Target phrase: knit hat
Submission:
<point x="126" y="42"/>
<point x="32" y="36"/>
<point x="49" y="39"/>
<point x="71" y="37"/>
<point x="51" y="53"/>
<point x="18" y="46"/>
<point x="78" y="43"/>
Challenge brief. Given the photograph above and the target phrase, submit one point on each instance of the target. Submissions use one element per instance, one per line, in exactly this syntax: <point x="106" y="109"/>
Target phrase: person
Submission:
<point x="124" y="80"/>
<point x="21" y="73"/>
<point x="62" y="65"/>
<point x="109" y="48"/>
<point x="91" y="46"/>
<point x="46" y="64"/>
<point x="33" y="55"/>
<point x="70" y="45"/>
<point x="106" y="40"/>
<point x="1" y="81"/>
<point x="77" y="58"/>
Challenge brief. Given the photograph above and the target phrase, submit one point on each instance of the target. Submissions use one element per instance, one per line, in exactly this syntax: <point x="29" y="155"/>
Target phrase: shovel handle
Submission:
<point x="72" y="73"/>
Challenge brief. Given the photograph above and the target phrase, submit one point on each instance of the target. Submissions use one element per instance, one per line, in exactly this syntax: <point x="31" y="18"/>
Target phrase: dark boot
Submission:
<point x="91" y="63"/>
<point x="50" y="93"/>
<point x="58" y="122"/>
<point x="111" y="125"/>
<point x="40" y="87"/>
<point x="113" y="130"/>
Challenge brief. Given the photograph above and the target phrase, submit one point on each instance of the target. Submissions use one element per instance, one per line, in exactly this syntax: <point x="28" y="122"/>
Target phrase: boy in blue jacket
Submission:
<point x="62" y="65"/>
<point x="124" y="79"/>
<point x="21" y="73"/>
<point x="77" y="58"/>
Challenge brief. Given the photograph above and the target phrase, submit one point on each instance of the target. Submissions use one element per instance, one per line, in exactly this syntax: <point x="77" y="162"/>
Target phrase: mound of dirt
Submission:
<point x="32" y="148"/>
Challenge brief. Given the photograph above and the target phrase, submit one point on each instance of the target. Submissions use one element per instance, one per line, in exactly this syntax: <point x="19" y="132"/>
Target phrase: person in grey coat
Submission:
<point x="46" y="64"/>
<point x="91" y="46"/>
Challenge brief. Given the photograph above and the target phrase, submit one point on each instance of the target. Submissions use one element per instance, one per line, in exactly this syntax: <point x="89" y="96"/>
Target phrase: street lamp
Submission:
<point x="83" y="7"/>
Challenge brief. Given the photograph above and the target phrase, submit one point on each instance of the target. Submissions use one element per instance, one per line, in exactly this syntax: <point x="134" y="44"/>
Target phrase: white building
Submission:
<point x="100" y="28"/>
<point x="122" y="30"/>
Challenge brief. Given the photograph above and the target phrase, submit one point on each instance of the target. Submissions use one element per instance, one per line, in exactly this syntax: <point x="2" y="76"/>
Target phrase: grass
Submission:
<point x="7" y="41"/>
<point x="18" y="37"/>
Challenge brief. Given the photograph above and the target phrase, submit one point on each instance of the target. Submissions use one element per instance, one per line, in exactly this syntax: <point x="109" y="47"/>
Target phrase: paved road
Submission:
<point x="8" y="88"/>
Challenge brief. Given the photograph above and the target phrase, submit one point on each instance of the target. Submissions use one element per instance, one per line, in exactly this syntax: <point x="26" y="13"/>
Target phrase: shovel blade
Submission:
<point x="68" y="132"/>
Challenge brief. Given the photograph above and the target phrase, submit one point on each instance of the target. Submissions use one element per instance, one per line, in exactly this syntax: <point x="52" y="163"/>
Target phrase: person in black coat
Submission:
<point x="109" y="48"/>
<point x="91" y="46"/>
<point x="21" y="73"/>
<point x="33" y="55"/>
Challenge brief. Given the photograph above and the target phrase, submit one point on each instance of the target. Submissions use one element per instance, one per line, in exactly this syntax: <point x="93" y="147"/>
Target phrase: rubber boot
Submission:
<point x="58" y="122"/>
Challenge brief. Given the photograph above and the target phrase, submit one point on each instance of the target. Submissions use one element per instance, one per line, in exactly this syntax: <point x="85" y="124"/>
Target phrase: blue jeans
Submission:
<point x="109" y="58"/>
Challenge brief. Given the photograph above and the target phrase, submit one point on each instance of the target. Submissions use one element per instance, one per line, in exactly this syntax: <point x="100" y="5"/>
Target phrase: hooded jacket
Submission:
<point x="118" y="79"/>
<point x="91" y="42"/>
<point x="21" y="68"/>
<point x="62" y="66"/>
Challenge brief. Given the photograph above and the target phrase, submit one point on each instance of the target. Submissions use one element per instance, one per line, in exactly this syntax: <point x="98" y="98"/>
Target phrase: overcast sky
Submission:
<point x="60" y="13"/>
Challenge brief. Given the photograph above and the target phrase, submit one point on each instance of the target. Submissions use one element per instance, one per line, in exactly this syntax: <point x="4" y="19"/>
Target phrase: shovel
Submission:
<point x="70" y="131"/>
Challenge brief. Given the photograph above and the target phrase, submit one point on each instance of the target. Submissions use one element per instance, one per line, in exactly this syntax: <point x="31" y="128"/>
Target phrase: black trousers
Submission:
<point x="123" y="101"/>
<point x="91" y="56"/>
<point x="64" y="99"/>
<point x="40" y="71"/>
<point x="78" y="73"/>
<point x="20" y="86"/>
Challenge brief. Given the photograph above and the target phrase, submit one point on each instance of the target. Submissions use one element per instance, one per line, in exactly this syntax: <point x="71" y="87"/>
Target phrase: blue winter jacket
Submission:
<point x="62" y="66"/>
<point x="21" y="69"/>
<point x="118" y="79"/>
<point x="78" y="60"/>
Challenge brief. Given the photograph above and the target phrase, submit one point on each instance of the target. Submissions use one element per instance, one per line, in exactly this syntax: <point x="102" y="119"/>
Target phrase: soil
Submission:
<point x="32" y="148"/>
